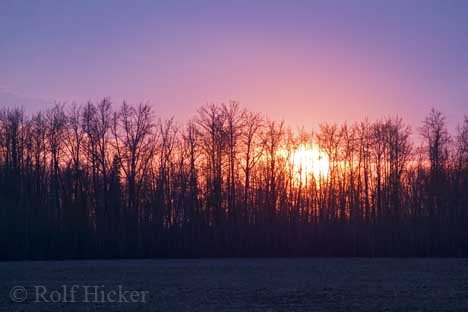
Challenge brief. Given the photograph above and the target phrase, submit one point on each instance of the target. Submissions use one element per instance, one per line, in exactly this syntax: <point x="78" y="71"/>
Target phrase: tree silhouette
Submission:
<point x="85" y="181"/>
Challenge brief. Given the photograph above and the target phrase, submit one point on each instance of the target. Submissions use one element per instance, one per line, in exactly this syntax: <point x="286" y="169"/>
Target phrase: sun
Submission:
<point x="307" y="162"/>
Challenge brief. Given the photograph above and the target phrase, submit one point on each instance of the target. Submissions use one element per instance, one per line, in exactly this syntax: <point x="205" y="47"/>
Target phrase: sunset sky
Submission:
<point x="302" y="61"/>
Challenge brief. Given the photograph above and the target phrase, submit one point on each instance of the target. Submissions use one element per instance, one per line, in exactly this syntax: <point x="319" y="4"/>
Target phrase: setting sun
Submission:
<point x="165" y="155"/>
<point x="307" y="161"/>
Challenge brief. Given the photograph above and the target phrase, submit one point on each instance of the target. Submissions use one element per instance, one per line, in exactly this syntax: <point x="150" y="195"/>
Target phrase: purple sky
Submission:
<point x="303" y="61"/>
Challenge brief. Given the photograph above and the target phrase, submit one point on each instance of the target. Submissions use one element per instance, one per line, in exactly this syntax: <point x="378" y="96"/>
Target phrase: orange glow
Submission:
<point x="307" y="162"/>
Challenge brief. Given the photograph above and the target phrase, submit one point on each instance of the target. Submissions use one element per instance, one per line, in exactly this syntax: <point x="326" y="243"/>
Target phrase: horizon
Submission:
<point x="262" y="130"/>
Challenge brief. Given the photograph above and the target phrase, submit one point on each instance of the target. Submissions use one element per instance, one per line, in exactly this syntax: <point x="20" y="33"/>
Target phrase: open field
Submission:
<point x="240" y="285"/>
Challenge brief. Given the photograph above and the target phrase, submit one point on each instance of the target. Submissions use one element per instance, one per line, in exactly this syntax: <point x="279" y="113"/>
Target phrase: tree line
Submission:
<point x="98" y="181"/>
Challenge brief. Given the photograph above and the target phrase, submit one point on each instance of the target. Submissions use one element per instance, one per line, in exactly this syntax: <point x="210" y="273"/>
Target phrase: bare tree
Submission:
<point x="134" y="145"/>
<point x="88" y="181"/>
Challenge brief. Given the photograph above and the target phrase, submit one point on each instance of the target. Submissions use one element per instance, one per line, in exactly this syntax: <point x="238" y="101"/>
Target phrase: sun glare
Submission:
<point x="309" y="162"/>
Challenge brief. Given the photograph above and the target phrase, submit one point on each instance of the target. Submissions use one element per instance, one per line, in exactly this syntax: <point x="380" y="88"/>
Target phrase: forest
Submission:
<point x="100" y="180"/>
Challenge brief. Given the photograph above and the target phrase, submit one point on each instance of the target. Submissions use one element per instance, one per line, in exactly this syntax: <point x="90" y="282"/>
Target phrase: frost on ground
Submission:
<point x="245" y="284"/>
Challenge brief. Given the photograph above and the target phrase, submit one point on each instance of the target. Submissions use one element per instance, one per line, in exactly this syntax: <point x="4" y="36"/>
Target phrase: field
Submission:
<point x="238" y="285"/>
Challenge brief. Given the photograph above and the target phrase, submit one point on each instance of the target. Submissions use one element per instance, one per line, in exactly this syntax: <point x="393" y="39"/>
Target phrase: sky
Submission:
<point x="306" y="62"/>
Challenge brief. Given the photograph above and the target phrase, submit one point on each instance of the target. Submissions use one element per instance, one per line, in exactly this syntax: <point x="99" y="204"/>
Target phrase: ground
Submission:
<point x="238" y="285"/>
